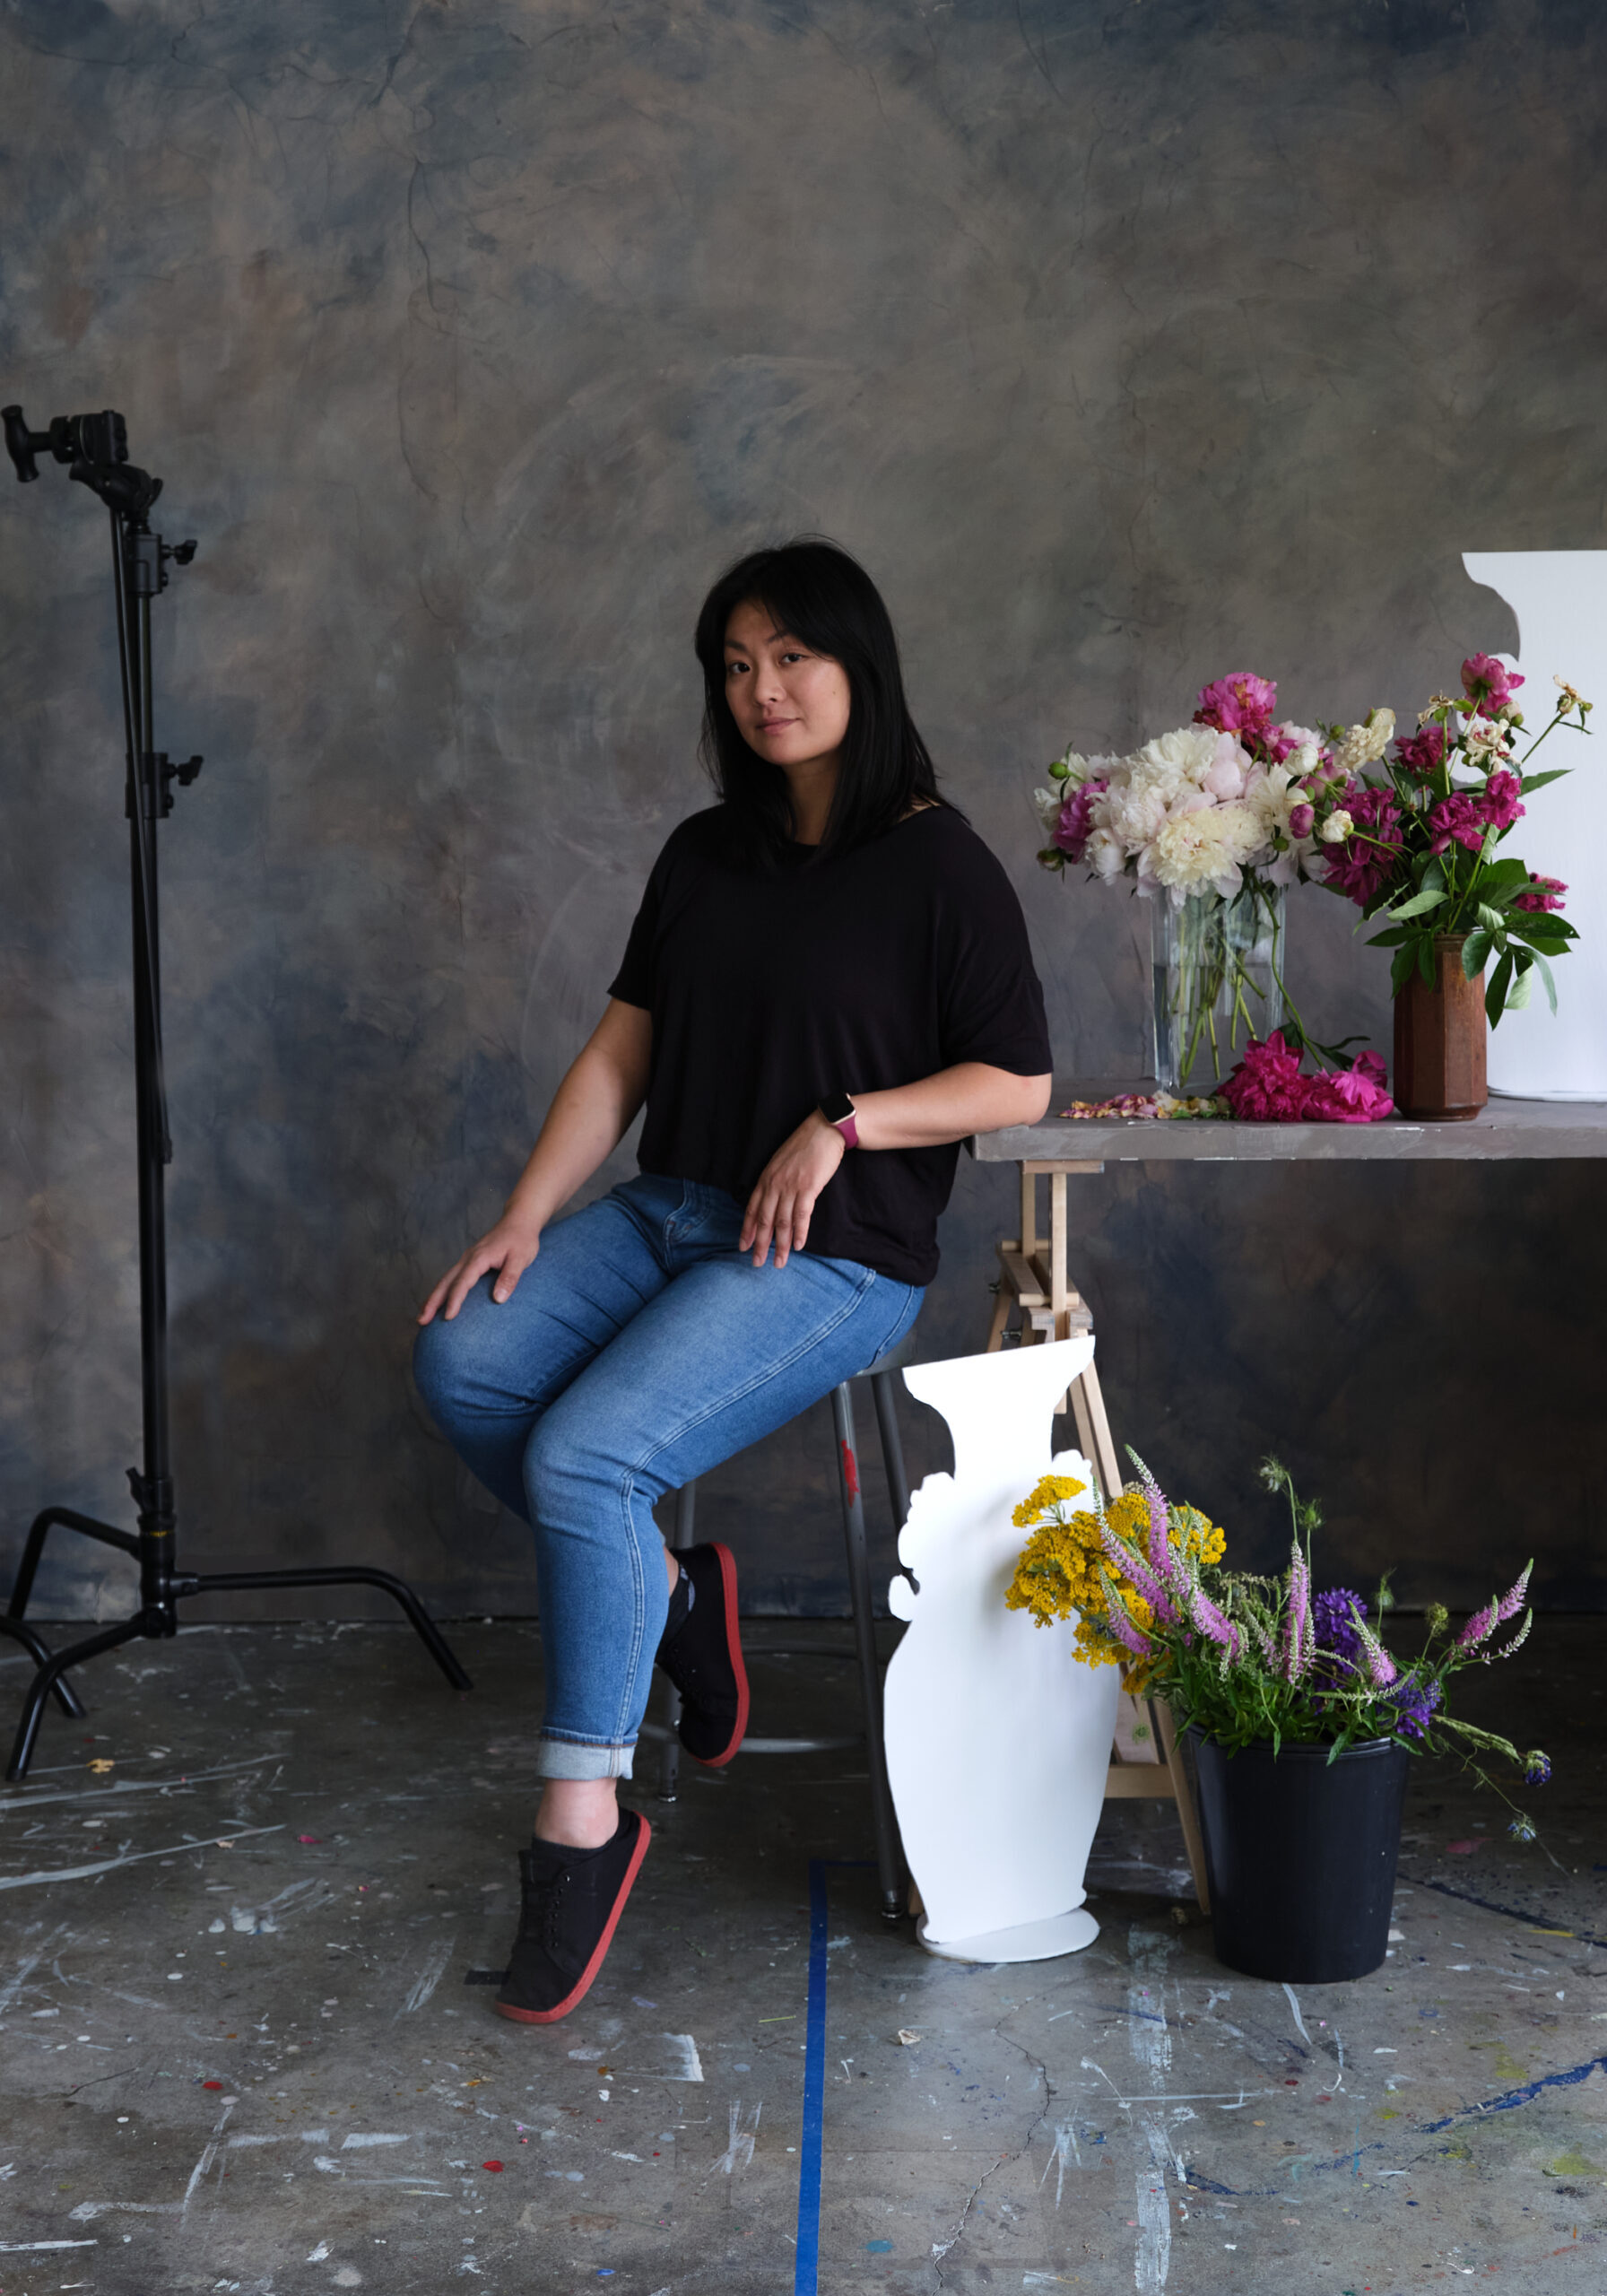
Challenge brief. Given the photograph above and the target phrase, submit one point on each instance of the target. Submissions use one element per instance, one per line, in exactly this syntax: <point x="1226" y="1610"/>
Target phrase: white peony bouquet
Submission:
<point x="1197" y="811"/>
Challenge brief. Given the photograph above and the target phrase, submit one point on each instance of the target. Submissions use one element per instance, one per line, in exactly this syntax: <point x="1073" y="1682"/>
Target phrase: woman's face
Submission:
<point x="790" y="705"/>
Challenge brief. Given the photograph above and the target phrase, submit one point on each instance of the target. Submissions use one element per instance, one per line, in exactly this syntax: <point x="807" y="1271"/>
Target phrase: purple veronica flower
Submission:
<point x="1537" y="1769"/>
<point x="1414" y="1702"/>
<point x="1335" y="1627"/>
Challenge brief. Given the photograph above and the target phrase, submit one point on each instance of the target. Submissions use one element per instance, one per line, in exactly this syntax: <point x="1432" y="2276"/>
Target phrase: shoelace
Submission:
<point x="555" y="1891"/>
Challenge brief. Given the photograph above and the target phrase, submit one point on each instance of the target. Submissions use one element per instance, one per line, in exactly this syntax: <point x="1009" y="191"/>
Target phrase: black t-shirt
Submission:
<point x="867" y="970"/>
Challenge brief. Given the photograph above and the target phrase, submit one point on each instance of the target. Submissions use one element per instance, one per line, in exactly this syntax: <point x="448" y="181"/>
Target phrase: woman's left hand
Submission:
<point x="779" y="1210"/>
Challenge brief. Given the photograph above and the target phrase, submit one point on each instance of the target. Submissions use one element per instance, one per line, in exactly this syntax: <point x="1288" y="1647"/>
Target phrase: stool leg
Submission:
<point x="887" y="1862"/>
<point x="669" y="1771"/>
<point x="892" y="1448"/>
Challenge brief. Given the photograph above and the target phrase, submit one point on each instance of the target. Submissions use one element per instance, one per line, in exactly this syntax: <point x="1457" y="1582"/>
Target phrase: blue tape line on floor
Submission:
<point x="806" y="2271"/>
<point x="1510" y="1912"/>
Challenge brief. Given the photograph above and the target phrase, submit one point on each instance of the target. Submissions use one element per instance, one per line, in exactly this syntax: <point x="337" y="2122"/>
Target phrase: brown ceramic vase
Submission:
<point x="1440" y="1037"/>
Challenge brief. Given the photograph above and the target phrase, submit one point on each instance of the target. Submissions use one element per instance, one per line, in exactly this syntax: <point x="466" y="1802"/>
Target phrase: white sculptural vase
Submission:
<point x="1560" y="597"/>
<point x="998" y="1738"/>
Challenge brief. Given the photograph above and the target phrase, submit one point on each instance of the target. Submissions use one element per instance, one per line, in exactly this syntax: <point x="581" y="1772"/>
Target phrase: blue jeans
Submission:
<point x="639" y="1349"/>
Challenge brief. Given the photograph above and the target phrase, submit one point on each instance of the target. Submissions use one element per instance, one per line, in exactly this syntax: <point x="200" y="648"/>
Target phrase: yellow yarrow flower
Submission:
<point x="1058" y="1574"/>
<point x="1053" y="1490"/>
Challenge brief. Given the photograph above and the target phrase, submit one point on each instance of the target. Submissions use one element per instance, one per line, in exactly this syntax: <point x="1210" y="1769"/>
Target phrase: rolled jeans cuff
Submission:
<point x="575" y="1758"/>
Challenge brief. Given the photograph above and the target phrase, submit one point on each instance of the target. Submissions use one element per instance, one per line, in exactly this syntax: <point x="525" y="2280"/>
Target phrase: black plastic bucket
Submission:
<point x="1300" y="1853"/>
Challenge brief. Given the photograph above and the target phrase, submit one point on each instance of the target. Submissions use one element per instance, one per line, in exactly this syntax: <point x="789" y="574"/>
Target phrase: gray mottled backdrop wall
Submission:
<point x="1127" y="344"/>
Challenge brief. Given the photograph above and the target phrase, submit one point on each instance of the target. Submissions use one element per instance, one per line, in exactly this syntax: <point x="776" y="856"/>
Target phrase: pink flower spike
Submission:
<point x="1517" y="1641"/>
<point x="1211" y="1621"/>
<point x="1479" y="1629"/>
<point x="1160" y="1542"/>
<point x="1121" y="1625"/>
<point x="1126" y="1559"/>
<point x="1513" y="1600"/>
<point x="1299" y="1635"/>
<point x="1380" y="1665"/>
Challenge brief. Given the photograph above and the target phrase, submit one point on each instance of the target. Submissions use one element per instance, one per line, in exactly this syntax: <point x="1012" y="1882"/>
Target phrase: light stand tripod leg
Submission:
<point x="46" y="1679"/>
<point x="66" y="1697"/>
<point x="353" y="1575"/>
<point x="39" y="1529"/>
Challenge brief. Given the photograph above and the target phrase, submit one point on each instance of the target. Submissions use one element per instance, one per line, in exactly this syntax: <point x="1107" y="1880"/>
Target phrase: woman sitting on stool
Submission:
<point x="827" y="987"/>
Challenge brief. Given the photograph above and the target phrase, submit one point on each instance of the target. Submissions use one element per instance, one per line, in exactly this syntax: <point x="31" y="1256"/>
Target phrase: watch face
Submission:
<point x="837" y="1107"/>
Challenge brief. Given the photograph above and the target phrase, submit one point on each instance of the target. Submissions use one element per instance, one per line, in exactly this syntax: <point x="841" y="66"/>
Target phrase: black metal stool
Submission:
<point x="882" y="1375"/>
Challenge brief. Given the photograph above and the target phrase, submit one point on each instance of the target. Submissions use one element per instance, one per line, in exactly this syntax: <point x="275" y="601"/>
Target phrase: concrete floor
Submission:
<point x="272" y="1918"/>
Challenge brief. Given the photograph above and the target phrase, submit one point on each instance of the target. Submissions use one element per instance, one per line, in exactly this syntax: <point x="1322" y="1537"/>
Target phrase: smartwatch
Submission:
<point x="838" y="1108"/>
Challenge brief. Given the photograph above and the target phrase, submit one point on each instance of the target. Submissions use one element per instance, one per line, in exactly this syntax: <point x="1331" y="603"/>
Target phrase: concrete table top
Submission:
<point x="1505" y="1129"/>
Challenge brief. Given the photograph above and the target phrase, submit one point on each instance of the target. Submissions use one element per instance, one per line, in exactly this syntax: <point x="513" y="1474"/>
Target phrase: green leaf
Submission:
<point x="1491" y="919"/>
<point x="1508" y="872"/>
<point x="1545" y="974"/>
<point x="1495" y="995"/>
<point x="1523" y="983"/>
<point x="1393" y="939"/>
<point x="1418" y="906"/>
<point x="1425" y="960"/>
<point x="1539" y="780"/>
<point x="1475" y="953"/>
<point x="1433" y="875"/>
<point x="1401" y="968"/>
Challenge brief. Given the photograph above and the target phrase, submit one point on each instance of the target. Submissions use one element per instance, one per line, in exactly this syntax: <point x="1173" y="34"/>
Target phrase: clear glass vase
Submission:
<point x="1217" y="969"/>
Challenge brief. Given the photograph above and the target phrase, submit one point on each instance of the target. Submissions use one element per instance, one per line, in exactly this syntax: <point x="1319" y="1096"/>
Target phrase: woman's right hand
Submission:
<point x="509" y="1247"/>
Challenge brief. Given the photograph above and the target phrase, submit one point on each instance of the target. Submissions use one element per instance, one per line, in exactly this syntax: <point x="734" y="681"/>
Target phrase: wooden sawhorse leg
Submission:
<point x="1037" y="1281"/>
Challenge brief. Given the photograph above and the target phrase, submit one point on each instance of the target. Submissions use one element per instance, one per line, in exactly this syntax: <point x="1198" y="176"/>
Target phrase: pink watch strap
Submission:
<point x="850" y="1131"/>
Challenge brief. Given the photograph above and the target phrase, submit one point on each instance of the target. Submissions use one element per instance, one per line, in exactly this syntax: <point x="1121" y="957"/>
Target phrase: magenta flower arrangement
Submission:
<point x="1245" y="1659"/>
<point x="1412" y="836"/>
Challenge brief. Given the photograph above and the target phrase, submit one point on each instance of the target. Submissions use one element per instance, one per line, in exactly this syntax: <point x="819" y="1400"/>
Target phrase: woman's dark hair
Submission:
<point x="820" y="596"/>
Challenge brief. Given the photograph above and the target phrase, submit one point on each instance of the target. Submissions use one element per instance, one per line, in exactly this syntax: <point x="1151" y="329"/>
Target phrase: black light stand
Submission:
<point x="95" y="447"/>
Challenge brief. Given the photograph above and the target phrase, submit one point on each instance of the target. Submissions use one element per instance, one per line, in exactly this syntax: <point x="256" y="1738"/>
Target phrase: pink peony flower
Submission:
<point x="1422" y="753"/>
<point x="1268" y="1088"/>
<point x="1355" y="1095"/>
<point x="1546" y="894"/>
<point x="1071" y="830"/>
<point x="1486" y="680"/>
<point x="1361" y="866"/>
<point x="1239" y="703"/>
<point x="1458" y="818"/>
<point x="1300" y="820"/>
<point x="1499" y="800"/>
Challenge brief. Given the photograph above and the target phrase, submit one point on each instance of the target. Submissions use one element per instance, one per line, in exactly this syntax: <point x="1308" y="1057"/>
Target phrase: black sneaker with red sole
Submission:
<point x="703" y="1657"/>
<point x="571" y="1904"/>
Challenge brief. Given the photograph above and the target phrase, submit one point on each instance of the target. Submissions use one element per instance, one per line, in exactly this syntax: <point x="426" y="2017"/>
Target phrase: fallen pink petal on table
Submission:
<point x="1466" y="1848"/>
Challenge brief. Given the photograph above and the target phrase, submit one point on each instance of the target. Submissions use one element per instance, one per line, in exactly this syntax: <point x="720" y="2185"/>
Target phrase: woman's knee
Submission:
<point x="450" y="1361"/>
